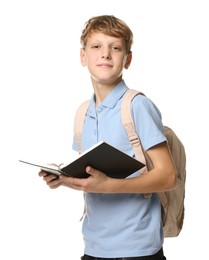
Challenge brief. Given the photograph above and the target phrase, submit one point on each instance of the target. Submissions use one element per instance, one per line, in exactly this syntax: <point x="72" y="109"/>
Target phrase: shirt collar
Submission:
<point x="113" y="97"/>
<point x="110" y="101"/>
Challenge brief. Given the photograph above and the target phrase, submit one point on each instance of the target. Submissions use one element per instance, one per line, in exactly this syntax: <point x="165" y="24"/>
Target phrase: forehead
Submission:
<point x="101" y="37"/>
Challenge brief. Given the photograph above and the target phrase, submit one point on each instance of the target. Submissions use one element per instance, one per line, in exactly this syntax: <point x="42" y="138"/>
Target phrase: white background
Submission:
<point x="42" y="83"/>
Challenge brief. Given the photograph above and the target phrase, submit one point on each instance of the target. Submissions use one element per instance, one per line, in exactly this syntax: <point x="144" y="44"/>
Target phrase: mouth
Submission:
<point x="105" y="65"/>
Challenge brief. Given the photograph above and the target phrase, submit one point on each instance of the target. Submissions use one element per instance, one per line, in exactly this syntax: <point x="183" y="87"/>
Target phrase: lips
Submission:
<point x="105" y="65"/>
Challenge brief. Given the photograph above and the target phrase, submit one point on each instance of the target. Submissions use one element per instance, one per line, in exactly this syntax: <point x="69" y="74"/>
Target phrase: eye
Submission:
<point x="96" y="46"/>
<point x="116" y="48"/>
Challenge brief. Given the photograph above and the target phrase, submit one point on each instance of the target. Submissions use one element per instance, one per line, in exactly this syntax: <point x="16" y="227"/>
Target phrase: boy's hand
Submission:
<point x="51" y="180"/>
<point x="97" y="181"/>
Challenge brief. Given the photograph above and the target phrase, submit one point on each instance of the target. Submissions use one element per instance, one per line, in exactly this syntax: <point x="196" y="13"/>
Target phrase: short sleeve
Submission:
<point x="148" y="122"/>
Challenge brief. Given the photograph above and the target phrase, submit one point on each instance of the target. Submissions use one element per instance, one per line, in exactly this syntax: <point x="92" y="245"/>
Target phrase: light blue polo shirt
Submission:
<point x="122" y="225"/>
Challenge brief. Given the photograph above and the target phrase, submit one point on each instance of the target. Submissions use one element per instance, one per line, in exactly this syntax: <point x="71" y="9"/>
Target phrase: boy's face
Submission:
<point x="106" y="57"/>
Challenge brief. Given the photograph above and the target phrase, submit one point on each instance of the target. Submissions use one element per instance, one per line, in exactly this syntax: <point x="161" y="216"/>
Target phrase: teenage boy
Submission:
<point x="120" y="222"/>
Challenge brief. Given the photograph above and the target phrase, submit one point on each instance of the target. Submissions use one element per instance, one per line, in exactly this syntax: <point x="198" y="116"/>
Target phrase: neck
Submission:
<point x="101" y="91"/>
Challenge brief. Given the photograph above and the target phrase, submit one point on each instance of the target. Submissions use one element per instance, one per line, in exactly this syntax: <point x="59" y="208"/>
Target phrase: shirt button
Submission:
<point x="100" y="108"/>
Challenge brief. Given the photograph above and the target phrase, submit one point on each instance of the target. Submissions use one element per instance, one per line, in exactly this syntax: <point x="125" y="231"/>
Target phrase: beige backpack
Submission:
<point x="172" y="201"/>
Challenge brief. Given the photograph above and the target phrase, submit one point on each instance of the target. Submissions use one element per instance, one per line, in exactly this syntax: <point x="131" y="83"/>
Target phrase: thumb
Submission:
<point x="91" y="171"/>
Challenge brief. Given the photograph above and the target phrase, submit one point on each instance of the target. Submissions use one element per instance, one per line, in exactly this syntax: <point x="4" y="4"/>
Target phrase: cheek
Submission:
<point x="91" y="61"/>
<point x="123" y="63"/>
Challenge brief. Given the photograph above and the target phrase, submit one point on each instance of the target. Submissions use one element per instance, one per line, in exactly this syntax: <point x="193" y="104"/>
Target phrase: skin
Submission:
<point x="106" y="58"/>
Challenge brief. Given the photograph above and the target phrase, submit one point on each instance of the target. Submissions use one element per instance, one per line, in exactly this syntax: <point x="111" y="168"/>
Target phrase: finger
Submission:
<point x="47" y="177"/>
<point x="53" y="182"/>
<point x="91" y="171"/>
<point x="70" y="180"/>
<point x="42" y="173"/>
<point x="51" y="177"/>
<point x="75" y="183"/>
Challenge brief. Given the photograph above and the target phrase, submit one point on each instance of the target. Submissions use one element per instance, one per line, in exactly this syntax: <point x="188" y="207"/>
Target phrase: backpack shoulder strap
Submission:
<point x="78" y="123"/>
<point x="128" y="123"/>
<point x="78" y="127"/>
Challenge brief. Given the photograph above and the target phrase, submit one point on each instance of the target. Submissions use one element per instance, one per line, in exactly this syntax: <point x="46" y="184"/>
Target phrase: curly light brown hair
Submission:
<point x="109" y="25"/>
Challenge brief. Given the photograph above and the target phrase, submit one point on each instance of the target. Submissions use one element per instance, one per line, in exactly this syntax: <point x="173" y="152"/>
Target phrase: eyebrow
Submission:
<point x="120" y="42"/>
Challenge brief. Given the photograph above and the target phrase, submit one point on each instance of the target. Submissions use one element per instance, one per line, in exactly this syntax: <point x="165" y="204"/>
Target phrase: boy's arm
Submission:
<point x="161" y="178"/>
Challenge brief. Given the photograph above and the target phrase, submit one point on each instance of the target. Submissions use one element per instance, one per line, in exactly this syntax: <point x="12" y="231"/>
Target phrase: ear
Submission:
<point x="128" y="60"/>
<point x="83" y="57"/>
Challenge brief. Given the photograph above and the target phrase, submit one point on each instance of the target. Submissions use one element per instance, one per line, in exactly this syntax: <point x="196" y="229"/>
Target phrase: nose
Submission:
<point x="106" y="54"/>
